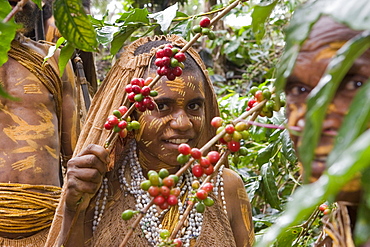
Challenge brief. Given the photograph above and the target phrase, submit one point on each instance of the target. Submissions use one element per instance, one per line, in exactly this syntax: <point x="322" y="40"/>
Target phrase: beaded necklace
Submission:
<point x="151" y="223"/>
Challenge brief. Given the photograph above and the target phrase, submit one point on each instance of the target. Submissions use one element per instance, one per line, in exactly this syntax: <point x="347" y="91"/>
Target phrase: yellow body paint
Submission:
<point x="32" y="89"/>
<point x="25" y="164"/>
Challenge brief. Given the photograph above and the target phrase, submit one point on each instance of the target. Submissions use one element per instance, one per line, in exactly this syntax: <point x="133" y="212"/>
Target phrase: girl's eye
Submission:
<point x="353" y="85"/>
<point x="162" y="106"/>
<point x="194" y="106"/>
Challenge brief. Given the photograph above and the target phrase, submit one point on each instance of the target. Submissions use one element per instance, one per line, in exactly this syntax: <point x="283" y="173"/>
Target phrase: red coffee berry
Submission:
<point x="167" y="51"/>
<point x="136" y="89"/>
<point x="197" y="170"/>
<point x="166" y="61"/>
<point x="171" y="76"/>
<point x="165" y="191"/>
<point x="159" y="200"/>
<point x="175" y="191"/>
<point x="158" y="62"/>
<point x="201" y="194"/>
<point x="159" y="53"/>
<point x="217" y="122"/>
<point x="145" y="90"/>
<point x="208" y="187"/>
<point x="150" y="106"/>
<point x="131" y="97"/>
<point x="177" y="71"/>
<point x="168" y="45"/>
<point x="180" y="56"/>
<point x="184" y="149"/>
<point x="222" y="141"/>
<point x="229" y="128"/>
<point x="251" y="102"/>
<point x="259" y="96"/>
<point x="233" y="146"/>
<point x="122" y="124"/>
<point x="123" y="133"/>
<point x="140" y="106"/>
<point x="108" y="126"/>
<point x="112" y="120"/>
<point x="205" y="22"/>
<point x="213" y="156"/>
<point x="164" y="205"/>
<point x="169" y="182"/>
<point x="322" y="207"/>
<point x="137" y="81"/>
<point x="122" y="109"/>
<point x="204" y="162"/>
<point x="153" y="191"/>
<point x="148" y="81"/>
<point x="172" y="200"/>
<point x="196" y="153"/>
<point x="209" y="170"/>
<point x="128" y="88"/>
<point x="177" y="242"/>
<point x="147" y="101"/>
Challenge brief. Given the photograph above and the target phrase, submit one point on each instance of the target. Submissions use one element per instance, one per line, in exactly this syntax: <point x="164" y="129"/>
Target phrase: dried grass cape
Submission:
<point x="112" y="94"/>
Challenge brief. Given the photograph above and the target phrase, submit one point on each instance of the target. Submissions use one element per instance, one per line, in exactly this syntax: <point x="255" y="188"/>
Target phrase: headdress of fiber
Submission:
<point x="112" y="93"/>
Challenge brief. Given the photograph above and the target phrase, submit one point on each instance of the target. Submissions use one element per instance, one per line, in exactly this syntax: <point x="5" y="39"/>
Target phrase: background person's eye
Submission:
<point x="298" y="90"/>
<point x="353" y="84"/>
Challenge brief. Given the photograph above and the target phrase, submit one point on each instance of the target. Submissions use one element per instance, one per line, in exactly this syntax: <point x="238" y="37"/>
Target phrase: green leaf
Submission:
<point x="74" y="25"/>
<point x="259" y="17"/>
<point x="7" y="34"/>
<point x="287" y="147"/>
<point x="296" y="33"/>
<point x="350" y="162"/>
<point x="38" y="3"/>
<point x="6" y="95"/>
<point x="354" y="123"/>
<point x="323" y="93"/>
<point x="270" y="189"/>
<point x="65" y="55"/>
<point x="165" y="17"/>
<point x="135" y="16"/>
<point x="5" y="9"/>
<point x="362" y="228"/>
<point x="120" y="38"/>
<point x="53" y="48"/>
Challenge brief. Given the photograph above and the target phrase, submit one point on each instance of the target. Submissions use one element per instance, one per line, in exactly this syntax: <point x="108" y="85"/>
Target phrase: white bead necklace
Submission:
<point x="150" y="223"/>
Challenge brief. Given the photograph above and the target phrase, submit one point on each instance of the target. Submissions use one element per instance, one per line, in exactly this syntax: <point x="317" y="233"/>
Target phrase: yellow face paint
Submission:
<point x="330" y="51"/>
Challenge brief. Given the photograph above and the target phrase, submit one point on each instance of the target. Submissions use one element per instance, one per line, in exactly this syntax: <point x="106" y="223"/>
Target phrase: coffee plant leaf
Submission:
<point x="74" y="25"/>
<point x="287" y="147"/>
<point x="362" y="228"/>
<point x="259" y="16"/>
<point x="164" y="18"/>
<point x="38" y="3"/>
<point x="65" y="55"/>
<point x="352" y="161"/>
<point x="5" y="9"/>
<point x="354" y="123"/>
<point x="319" y="98"/>
<point x="270" y="189"/>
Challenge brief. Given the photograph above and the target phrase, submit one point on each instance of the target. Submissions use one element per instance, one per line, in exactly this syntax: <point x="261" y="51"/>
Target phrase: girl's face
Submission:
<point x="178" y="119"/>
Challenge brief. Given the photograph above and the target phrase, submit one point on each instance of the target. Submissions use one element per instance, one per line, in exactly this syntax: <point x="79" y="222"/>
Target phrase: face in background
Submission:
<point x="180" y="118"/>
<point x="325" y="39"/>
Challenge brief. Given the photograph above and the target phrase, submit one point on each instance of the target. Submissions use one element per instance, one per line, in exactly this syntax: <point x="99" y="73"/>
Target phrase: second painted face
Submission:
<point x="327" y="37"/>
<point x="179" y="118"/>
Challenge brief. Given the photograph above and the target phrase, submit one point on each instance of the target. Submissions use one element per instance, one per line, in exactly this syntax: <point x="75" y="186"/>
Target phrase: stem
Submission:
<point x="190" y="207"/>
<point x="15" y="10"/>
<point x="136" y="223"/>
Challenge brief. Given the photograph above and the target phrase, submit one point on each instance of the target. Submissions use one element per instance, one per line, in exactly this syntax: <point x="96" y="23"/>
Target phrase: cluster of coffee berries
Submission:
<point x="140" y="93"/>
<point x="201" y="196"/>
<point x="204" y="28"/>
<point x="166" y="241"/>
<point x="169" y="61"/>
<point x="264" y="93"/>
<point x="120" y="125"/>
<point x="161" y="186"/>
<point x="203" y="165"/>
<point x="233" y="134"/>
<point x="324" y="208"/>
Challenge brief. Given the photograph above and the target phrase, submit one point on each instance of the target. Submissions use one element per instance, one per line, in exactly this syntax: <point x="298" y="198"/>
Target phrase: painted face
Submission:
<point x="326" y="39"/>
<point x="179" y="119"/>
